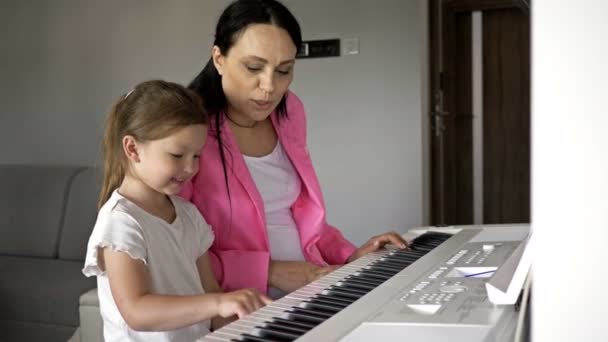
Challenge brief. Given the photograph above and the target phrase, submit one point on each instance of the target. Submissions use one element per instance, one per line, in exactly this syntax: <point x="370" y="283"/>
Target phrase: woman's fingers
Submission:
<point x="391" y="237"/>
<point x="377" y="242"/>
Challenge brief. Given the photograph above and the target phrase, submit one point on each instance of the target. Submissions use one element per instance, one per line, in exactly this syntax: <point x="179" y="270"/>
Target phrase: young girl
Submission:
<point x="148" y="248"/>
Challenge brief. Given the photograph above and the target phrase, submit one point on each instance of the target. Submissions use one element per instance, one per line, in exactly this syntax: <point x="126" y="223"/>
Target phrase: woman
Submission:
<point x="258" y="188"/>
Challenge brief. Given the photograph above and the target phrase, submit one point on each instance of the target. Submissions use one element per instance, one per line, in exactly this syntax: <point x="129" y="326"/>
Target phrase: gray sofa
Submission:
<point x="46" y="216"/>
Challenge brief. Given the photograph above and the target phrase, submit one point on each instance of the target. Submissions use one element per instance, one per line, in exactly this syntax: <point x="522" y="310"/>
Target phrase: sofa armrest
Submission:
<point x="91" y="323"/>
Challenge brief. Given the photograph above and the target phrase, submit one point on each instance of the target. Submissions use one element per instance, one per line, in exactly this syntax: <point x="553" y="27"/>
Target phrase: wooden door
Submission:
<point x="480" y="86"/>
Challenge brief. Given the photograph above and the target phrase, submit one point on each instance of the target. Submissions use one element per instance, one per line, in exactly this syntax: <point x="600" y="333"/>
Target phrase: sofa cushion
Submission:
<point x="13" y="331"/>
<point x="32" y="202"/>
<point x="80" y="214"/>
<point x="42" y="290"/>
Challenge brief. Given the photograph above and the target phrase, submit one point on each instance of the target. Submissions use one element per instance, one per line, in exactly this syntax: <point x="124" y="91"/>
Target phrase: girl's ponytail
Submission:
<point x="113" y="164"/>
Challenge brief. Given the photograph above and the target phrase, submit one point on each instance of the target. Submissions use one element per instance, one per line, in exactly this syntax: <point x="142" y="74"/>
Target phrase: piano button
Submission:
<point x="275" y="334"/>
<point x="285" y="321"/>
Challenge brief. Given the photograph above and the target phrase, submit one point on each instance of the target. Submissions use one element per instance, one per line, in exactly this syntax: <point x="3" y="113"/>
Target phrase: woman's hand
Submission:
<point x="377" y="242"/>
<point x="240" y="303"/>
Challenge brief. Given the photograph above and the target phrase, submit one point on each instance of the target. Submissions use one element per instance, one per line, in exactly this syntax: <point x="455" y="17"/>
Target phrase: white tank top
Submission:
<point x="279" y="186"/>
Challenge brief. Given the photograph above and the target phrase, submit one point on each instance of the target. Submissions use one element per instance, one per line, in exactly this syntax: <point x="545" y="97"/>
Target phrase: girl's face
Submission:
<point x="256" y="71"/>
<point x="166" y="164"/>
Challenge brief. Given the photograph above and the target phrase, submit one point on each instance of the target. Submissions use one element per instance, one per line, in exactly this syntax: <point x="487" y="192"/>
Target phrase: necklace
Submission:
<point x="241" y="125"/>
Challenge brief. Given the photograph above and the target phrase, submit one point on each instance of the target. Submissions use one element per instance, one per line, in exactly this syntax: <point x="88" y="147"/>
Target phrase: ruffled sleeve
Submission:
<point x="118" y="231"/>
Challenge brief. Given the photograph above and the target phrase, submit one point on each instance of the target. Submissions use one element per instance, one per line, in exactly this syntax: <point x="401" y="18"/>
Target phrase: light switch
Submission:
<point x="351" y="46"/>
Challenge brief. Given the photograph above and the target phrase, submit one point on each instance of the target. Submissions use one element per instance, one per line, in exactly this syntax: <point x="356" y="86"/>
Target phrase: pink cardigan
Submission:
<point x="240" y="254"/>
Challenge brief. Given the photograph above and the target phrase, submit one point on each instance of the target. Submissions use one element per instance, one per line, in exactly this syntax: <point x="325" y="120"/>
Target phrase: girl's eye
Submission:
<point x="196" y="156"/>
<point x="176" y="156"/>
<point x="284" y="72"/>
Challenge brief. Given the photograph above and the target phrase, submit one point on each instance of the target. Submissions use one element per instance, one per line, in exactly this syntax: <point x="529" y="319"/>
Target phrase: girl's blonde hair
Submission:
<point x="152" y="110"/>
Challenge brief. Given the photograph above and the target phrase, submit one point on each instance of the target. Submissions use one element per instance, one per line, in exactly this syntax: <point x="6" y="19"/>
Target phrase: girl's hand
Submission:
<point x="241" y="302"/>
<point x="377" y="242"/>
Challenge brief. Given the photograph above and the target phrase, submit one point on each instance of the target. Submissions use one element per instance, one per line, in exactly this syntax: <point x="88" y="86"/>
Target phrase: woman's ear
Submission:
<point x="218" y="59"/>
<point x="131" y="148"/>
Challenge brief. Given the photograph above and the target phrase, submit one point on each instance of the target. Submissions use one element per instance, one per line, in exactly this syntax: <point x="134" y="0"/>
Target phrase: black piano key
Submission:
<point x="332" y="299"/>
<point x="365" y="278"/>
<point x="394" y="263"/>
<point x="374" y="274"/>
<point x="251" y="338"/>
<point x="322" y="307"/>
<point x="285" y="327"/>
<point x="344" y="294"/>
<point x="422" y="249"/>
<point x="386" y="268"/>
<point x="299" y="324"/>
<point x="275" y="334"/>
<point x="349" y="289"/>
<point x="355" y="284"/>
<point x="296" y="316"/>
<point x="402" y="257"/>
<point x="388" y="274"/>
<point x="312" y="312"/>
<point x="412" y="252"/>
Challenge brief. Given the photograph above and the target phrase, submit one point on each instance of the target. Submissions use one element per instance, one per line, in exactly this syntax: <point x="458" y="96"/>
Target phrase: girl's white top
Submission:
<point x="279" y="186"/>
<point x="168" y="250"/>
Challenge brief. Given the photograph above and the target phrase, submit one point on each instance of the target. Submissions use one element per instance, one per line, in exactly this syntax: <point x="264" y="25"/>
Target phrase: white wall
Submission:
<point x="64" y="62"/>
<point x="569" y="170"/>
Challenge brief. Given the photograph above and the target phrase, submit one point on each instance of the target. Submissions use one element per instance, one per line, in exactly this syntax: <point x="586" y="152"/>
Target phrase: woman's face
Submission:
<point x="256" y="71"/>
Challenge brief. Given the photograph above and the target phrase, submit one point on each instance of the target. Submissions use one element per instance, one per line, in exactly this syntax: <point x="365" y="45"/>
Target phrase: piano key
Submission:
<point x="251" y="338"/>
<point x="274" y="334"/>
<point x="286" y="327"/>
<point x="290" y="322"/>
<point x="376" y="270"/>
<point x="322" y="306"/>
<point x="349" y="289"/>
<point x="344" y="294"/>
<point x="356" y="284"/>
<point x="298" y="317"/>
<point x="385" y="267"/>
<point x="336" y="299"/>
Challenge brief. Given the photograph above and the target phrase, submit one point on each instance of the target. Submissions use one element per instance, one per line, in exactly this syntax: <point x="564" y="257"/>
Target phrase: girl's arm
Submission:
<point x="143" y="311"/>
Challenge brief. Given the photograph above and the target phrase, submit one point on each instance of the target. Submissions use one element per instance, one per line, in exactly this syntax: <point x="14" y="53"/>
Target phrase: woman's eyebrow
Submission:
<point x="263" y="60"/>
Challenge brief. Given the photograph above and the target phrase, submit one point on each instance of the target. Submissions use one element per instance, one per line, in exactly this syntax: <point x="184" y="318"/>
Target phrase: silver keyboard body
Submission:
<point x="437" y="298"/>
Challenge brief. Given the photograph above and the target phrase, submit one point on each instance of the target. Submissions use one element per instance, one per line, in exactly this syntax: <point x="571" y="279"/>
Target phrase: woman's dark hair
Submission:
<point x="235" y="19"/>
